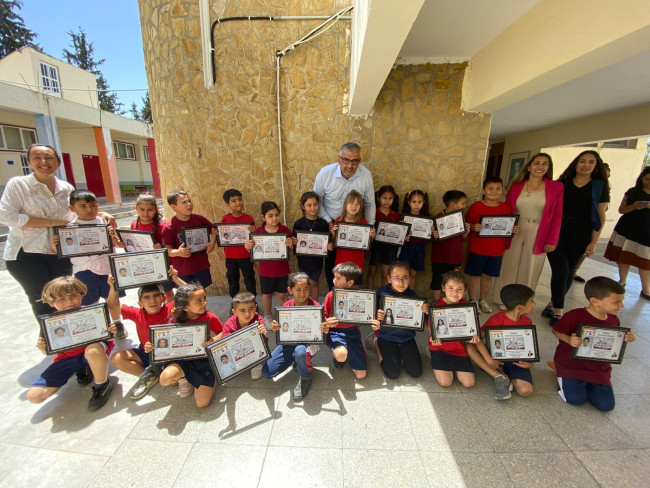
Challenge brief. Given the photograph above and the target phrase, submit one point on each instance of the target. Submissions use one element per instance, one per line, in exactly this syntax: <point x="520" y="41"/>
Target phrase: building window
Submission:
<point x="124" y="150"/>
<point x="16" y="138"/>
<point x="621" y="144"/>
<point x="145" y="153"/>
<point x="27" y="169"/>
<point x="50" y="80"/>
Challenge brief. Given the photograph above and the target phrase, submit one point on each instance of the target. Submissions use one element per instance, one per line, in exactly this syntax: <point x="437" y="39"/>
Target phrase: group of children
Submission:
<point x="396" y="348"/>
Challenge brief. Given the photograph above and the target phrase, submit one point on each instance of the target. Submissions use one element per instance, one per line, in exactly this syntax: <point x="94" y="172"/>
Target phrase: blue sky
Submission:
<point x="113" y="28"/>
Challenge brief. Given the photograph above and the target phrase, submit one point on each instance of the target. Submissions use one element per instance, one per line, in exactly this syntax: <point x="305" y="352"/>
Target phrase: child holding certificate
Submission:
<point x="386" y="208"/>
<point x="396" y="348"/>
<point x="581" y="381"/>
<point x="193" y="375"/>
<point x="416" y="203"/>
<point x="519" y="300"/>
<point x="66" y="293"/>
<point x="450" y="356"/>
<point x="286" y="355"/>
<point x="351" y="213"/>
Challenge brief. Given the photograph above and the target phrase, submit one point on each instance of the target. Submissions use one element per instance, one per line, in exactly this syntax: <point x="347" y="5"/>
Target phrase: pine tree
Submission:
<point x="83" y="57"/>
<point x="134" y="112"/>
<point x="13" y="33"/>
<point x="145" y="111"/>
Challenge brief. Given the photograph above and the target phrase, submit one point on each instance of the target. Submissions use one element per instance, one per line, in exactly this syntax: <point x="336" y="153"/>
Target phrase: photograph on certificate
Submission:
<point x="75" y="328"/>
<point x="231" y="235"/>
<point x="516" y="343"/>
<point x="269" y="247"/>
<point x="135" y="269"/>
<point x="354" y="306"/>
<point x="136" y="240"/>
<point x="237" y="352"/>
<point x="312" y="243"/>
<point x="450" y="225"/>
<point x="353" y="236"/>
<point x="196" y="239"/>
<point x="391" y="232"/>
<point x="600" y="343"/>
<point x="420" y="227"/>
<point x="498" y="225"/>
<point x="454" y="322"/>
<point x="299" y="325"/>
<point x="83" y="240"/>
<point x="175" y="342"/>
<point x="402" y="312"/>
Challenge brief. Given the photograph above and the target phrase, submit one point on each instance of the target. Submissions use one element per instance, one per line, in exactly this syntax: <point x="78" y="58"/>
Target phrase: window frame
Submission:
<point x="126" y="146"/>
<point x="21" y="132"/>
<point x="50" y="85"/>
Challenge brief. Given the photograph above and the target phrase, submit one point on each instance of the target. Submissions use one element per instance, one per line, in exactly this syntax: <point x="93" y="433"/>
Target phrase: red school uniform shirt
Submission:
<point x="486" y="246"/>
<point x="144" y="320"/>
<point x="327" y="306"/>
<point x="448" y="251"/>
<point x="500" y="319"/>
<point x="455" y="348"/>
<point x="171" y="236"/>
<point x="237" y="252"/>
<point x="273" y="269"/>
<point x="215" y="324"/>
<point x="591" y="371"/>
<point x="352" y="255"/>
<point x="232" y="324"/>
<point x="310" y="303"/>
<point x="157" y="232"/>
<point x="392" y="216"/>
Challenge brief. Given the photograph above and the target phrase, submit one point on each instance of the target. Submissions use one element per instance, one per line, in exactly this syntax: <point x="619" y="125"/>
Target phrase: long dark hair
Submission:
<point x="388" y="189"/>
<point x="149" y="198"/>
<point x="639" y="181"/>
<point x="182" y="299"/>
<point x="424" y="212"/>
<point x="599" y="172"/>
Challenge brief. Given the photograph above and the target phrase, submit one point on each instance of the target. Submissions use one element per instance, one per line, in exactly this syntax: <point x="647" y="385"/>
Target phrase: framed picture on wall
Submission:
<point x="516" y="161"/>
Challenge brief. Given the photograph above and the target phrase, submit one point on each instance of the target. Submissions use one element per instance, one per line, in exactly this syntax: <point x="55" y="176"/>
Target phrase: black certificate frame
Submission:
<point x="131" y="255"/>
<point x="103" y="307"/>
<point x="100" y="227"/>
<point x="335" y="300"/>
<point x="462" y="230"/>
<point x="507" y="216"/>
<point x="337" y="239"/>
<point x="316" y="308"/>
<point x="382" y="306"/>
<point x="531" y="328"/>
<point x="580" y="332"/>
<point x="155" y="328"/>
<point x="451" y="306"/>
<point x="184" y="231"/>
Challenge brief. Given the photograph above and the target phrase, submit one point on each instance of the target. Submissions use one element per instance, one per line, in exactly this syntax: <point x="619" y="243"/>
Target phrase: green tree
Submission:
<point x="13" y="33"/>
<point x="83" y="56"/>
<point x="145" y="111"/>
<point x="134" y="112"/>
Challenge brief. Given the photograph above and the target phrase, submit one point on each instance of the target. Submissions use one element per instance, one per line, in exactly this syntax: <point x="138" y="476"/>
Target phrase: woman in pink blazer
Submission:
<point x="538" y="200"/>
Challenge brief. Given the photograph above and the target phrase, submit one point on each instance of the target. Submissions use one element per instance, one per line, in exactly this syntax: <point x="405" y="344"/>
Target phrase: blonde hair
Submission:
<point x="351" y="198"/>
<point x="62" y="287"/>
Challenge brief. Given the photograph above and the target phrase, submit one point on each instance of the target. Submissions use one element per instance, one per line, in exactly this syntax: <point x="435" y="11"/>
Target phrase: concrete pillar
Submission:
<point x="104" y="144"/>
<point x="48" y="133"/>
<point x="151" y="145"/>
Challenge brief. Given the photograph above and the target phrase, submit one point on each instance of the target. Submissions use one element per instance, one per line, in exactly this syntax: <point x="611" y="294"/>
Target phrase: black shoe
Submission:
<point x="121" y="331"/>
<point x="84" y="376"/>
<point x="548" y="312"/>
<point x="301" y="389"/>
<point x="100" y="396"/>
<point x="579" y="279"/>
<point x="643" y="295"/>
<point x="554" y="319"/>
<point x="338" y="364"/>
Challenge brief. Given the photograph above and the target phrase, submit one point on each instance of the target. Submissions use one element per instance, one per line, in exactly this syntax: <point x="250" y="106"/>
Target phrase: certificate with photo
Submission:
<point x="196" y="239"/>
<point x="353" y="236"/>
<point x="75" y="328"/>
<point x="498" y="225"/>
<point x="600" y="343"/>
<point x="391" y="232"/>
<point x="455" y="322"/>
<point x="175" y="342"/>
<point x="136" y="240"/>
<point x="510" y="344"/>
<point x="420" y="227"/>
<point x="269" y="247"/>
<point x="82" y="240"/>
<point x="312" y="243"/>
<point x="236" y="353"/>
<point x="353" y="306"/>
<point x="299" y="325"/>
<point x="402" y="312"/>
<point x="450" y="225"/>
<point x="232" y="235"/>
<point x="135" y="269"/>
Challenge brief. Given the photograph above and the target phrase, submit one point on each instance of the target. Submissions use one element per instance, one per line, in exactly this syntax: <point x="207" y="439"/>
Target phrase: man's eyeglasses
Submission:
<point x="354" y="162"/>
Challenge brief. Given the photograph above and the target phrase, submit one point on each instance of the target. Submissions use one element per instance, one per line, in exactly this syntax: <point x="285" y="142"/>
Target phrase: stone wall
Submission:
<point x="211" y="140"/>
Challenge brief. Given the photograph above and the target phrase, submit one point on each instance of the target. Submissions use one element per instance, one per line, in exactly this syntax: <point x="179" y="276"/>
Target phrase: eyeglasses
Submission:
<point x="353" y="162"/>
<point x="399" y="279"/>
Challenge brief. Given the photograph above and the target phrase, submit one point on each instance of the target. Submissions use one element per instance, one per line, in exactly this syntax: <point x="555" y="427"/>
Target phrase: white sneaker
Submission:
<point x="256" y="372"/>
<point x="484" y="306"/>
<point x="313" y="349"/>
<point x="371" y="341"/>
<point x="185" y="388"/>
<point x="268" y="321"/>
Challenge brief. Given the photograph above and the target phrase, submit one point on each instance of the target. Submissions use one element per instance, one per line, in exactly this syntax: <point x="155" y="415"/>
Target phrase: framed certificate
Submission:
<point x="269" y="247"/>
<point x="455" y="322"/>
<point x="134" y="269"/>
<point x="237" y="352"/>
<point x="420" y="227"/>
<point x="392" y="232"/>
<point x="312" y="243"/>
<point x="353" y="236"/>
<point x="231" y="235"/>
<point x="402" y="312"/>
<point x="450" y="225"/>
<point x="136" y="240"/>
<point x="498" y="225"/>
<point x="509" y="344"/>
<point x="299" y="325"/>
<point x="82" y="240"/>
<point x="600" y="343"/>
<point x="353" y="306"/>
<point x="75" y="328"/>
<point x="175" y="342"/>
<point x="196" y="238"/>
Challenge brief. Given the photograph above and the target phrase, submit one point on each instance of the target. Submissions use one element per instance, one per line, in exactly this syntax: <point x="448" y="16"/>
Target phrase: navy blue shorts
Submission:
<point x="382" y="253"/>
<point x="97" y="287"/>
<point x="515" y="372"/>
<point x="413" y="254"/>
<point x="203" y="277"/>
<point x="198" y="372"/>
<point x="139" y="351"/>
<point x="270" y="285"/>
<point x="58" y="373"/>
<point x="437" y="270"/>
<point x="478" y="264"/>
<point x="350" y="338"/>
<point x="314" y="274"/>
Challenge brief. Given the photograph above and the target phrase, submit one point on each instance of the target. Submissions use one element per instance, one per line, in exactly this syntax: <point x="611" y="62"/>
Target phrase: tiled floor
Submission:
<point x="372" y="432"/>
